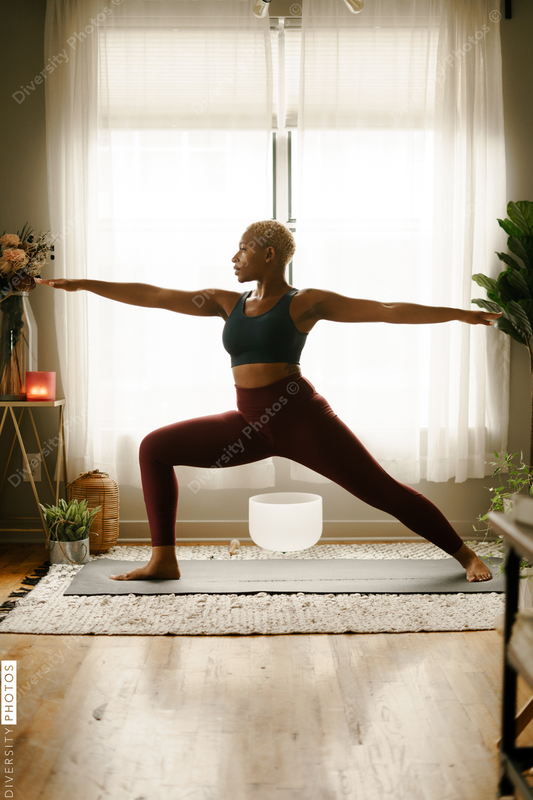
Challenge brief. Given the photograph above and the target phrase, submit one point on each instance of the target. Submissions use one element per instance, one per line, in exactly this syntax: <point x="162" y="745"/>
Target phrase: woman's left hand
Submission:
<point x="482" y="317"/>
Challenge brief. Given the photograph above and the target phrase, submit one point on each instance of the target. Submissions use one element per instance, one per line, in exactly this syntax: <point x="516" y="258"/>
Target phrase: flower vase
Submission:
<point x="18" y="345"/>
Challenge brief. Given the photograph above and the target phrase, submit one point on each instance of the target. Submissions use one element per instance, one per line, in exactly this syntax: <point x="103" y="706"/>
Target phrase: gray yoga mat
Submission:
<point x="283" y="576"/>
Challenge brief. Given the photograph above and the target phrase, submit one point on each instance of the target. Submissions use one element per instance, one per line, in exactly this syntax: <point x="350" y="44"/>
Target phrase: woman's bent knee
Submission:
<point x="151" y="447"/>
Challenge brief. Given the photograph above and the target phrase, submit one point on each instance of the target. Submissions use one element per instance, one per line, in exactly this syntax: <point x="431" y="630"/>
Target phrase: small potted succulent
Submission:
<point x="67" y="527"/>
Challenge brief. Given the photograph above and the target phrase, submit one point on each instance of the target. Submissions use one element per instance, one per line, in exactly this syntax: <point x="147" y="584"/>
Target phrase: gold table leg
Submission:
<point x="3" y="420"/>
<point x="43" y="462"/>
<point x="61" y="446"/>
<point x="12" y="443"/>
<point x="27" y="465"/>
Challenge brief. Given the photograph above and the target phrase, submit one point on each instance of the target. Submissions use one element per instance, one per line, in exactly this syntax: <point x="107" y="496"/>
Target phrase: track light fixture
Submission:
<point x="260" y="9"/>
<point x="355" y="6"/>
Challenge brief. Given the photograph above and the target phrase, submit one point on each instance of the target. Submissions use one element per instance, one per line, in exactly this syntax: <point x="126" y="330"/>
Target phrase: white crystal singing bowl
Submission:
<point x="285" y="521"/>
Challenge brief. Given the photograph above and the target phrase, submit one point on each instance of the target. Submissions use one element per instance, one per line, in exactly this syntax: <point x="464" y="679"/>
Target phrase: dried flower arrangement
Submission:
<point x="22" y="257"/>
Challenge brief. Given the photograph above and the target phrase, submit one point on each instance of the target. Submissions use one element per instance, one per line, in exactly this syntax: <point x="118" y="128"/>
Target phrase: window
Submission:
<point x="206" y="128"/>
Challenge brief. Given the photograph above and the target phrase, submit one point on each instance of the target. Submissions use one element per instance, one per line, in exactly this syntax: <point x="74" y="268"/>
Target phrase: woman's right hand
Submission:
<point x="61" y="283"/>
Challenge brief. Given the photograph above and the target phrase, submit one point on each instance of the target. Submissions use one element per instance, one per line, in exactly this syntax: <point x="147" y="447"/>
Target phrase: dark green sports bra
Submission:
<point x="265" y="339"/>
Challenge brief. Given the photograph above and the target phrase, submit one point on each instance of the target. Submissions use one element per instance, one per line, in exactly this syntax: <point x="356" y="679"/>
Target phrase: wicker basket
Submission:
<point x="99" y="490"/>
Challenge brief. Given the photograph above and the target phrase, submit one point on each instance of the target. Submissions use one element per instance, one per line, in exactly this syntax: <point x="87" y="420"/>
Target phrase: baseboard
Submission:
<point x="203" y="531"/>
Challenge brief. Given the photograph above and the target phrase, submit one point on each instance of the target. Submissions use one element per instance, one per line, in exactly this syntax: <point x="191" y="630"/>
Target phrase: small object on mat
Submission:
<point x="98" y="713"/>
<point x="234" y="545"/>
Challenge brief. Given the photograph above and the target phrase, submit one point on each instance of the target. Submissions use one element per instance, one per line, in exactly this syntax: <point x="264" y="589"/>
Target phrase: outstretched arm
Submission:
<point x="204" y="303"/>
<point x="338" y="308"/>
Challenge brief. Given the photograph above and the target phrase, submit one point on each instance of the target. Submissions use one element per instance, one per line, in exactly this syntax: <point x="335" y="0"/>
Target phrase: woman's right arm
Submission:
<point x="205" y="303"/>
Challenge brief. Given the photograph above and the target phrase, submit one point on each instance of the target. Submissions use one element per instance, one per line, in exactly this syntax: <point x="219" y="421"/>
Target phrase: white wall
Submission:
<point x="23" y="196"/>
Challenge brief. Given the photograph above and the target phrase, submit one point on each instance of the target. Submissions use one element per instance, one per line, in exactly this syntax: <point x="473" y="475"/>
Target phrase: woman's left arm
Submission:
<point x="338" y="308"/>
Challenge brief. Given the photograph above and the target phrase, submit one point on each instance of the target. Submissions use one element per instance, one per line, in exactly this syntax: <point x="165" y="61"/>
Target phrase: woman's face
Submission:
<point x="249" y="261"/>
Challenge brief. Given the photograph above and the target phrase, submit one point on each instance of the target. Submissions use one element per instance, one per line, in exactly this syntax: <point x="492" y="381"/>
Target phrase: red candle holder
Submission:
<point x="40" y="386"/>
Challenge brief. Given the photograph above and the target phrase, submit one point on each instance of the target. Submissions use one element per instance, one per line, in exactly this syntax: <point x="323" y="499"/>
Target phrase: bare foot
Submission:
<point x="476" y="569"/>
<point x="162" y="566"/>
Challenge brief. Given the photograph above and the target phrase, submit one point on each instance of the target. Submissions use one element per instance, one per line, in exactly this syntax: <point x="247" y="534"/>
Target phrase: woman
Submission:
<point x="280" y="412"/>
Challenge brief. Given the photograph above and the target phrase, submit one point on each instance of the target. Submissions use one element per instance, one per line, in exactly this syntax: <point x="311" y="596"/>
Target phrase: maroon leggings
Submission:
<point x="290" y="419"/>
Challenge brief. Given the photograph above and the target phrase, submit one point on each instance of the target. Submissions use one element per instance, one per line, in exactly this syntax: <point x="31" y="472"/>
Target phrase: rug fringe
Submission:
<point x="28" y="584"/>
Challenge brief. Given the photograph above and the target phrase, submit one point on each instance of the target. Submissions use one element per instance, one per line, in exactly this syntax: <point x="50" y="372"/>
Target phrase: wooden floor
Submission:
<point x="318" y="717"/>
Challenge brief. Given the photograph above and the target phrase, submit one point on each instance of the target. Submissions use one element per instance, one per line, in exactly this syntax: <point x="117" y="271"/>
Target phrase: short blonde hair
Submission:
<point x="270" y="232"/>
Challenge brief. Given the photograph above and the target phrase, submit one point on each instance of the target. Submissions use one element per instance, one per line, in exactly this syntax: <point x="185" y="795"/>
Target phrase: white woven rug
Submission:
<point x="45" y="609"/>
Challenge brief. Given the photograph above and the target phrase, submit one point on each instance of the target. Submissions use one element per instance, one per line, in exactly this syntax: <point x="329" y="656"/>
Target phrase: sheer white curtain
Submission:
<point x="71" y="119"/>
<point x="159" y="146"/>
<point x="402" y="177"/>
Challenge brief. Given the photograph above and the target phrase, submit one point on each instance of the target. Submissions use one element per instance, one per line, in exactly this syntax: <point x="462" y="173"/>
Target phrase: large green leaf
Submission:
<point x="509" y="260"/>
<point x="516" y="278"/>
<point x="513" y="322"/>
<point x="519" y="317"/>
<point x="527" y="275"/>
<point x="523" y="248"/>
<point x="489" y="284"/>
<point x="488" y="305"/>
<point x="506" y="290"/>
<point x="510" y="228"/>
<point x="527" y="305"/>
<point x="506" y="327"/>
<point x="521" y="213"/>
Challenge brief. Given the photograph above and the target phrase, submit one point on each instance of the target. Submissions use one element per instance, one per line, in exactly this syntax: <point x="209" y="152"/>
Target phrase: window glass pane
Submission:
<point x="176" y="175"/>
<point x="293" y="181"/>
<point x="367" y="226"/>
<point x="172" y="207"/>
<point x="292" y="42"/>
<point x="293" y="45"/>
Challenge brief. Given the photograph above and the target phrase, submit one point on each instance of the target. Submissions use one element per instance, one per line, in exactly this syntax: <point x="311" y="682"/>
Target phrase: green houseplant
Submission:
<point x="512" y="294"/>
<point x="519" y="480"/>
<point x="512" y="291"/>
<point x="68" y="523"/>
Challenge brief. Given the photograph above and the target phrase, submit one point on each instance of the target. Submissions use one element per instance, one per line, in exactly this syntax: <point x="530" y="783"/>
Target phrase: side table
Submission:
<point x="9" y="406"/>
<point x="514" y="760"/>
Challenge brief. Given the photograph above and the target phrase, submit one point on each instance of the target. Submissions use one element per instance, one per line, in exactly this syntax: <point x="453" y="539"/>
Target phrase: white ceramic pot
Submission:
<point x="523" y="508"/>
<point x="525" y="588"/>
<point x="69" y="552"/>
<point x="525" y="597"/>
<point x="286" y="521"/>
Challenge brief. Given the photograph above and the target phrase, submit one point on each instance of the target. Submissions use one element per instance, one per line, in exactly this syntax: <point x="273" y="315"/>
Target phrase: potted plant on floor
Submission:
<point x="67" y="527"/>
<point x="519" y="483"/>
<point x="512" y="291"/>
<point x="512" y="294"/>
